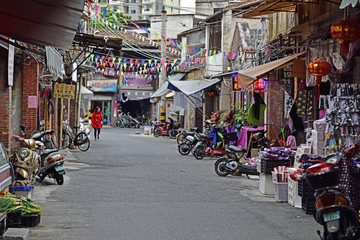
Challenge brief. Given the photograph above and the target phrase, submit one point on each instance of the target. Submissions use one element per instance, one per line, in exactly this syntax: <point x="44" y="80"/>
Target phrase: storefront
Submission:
<point x="105" y="97"/>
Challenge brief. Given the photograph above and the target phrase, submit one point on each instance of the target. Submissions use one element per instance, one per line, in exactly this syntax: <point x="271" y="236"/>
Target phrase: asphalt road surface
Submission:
<point x="131" y="186"/>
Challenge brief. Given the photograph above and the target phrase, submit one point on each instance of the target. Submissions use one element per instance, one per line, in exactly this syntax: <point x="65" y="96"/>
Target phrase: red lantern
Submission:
<point x="319" y="68"/>
<point x="212" y="93"/>
<point x="345" y="32"/>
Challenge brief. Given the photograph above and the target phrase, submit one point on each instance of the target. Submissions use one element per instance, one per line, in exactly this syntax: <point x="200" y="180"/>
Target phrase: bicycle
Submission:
<point x="81" y="140"/>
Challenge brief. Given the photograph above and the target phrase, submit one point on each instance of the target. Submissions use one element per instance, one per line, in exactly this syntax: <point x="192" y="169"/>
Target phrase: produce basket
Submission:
<point x="268" y="165"/>
<point x="30" y="220"/>
<point x="304" y="189"/>
<point x="308" y="205"/>
<point x="13" y="219"/>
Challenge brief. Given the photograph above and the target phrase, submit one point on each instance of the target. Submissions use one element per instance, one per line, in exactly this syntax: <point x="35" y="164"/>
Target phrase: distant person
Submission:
<point x="96" y="121"/>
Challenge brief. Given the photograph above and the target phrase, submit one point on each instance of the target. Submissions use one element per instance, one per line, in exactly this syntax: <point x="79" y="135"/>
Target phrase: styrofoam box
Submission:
<point x="306" y="150"/>
<point x="318" y="136"/>
<point x="266" y="186"/>
<point x="318" y="145"/>
<point x="319" y="152"/>
<point x="320" y="125"/>
<point x="293" y="198"/>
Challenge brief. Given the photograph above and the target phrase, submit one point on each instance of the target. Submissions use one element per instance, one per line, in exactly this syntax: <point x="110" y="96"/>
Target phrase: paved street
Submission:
<point x="136" y="187"/>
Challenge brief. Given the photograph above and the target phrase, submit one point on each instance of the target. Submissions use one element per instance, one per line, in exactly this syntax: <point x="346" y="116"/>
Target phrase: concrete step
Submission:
<point x="17" y="234"/>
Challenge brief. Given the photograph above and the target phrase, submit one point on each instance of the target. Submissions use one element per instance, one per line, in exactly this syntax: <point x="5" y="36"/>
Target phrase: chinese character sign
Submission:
<point x="104" y="85"/>
<point x="64" y="91"/>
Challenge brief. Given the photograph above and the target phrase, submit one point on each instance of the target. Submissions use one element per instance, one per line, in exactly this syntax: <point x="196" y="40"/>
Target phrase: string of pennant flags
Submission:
<point x="189" y="49"/>
<point x="146" y="66"/>
<point x="143" y="67"/>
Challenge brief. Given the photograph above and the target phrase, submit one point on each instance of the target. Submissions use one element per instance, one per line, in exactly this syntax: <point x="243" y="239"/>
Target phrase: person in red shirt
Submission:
<point x="96" y="121"/>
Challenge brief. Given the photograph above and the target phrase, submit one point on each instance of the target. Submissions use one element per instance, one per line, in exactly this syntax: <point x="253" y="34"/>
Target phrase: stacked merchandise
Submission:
<point x="342" y="112"/>
<point x="274" y="157"/>
<point x="269" y="159"/>
<point x="318" y="137"/>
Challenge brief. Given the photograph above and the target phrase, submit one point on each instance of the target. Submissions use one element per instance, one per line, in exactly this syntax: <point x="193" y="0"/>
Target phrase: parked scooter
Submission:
<point x="232" y="165"/>
<point x="207" y="147"/>
<point x="190" y="141"/>
<point x="333" y="206"/>
<point x="52" y="161"/>
<point x="168" y="129"/>
<point x="26" y="160"/>
<point x="84" y="125"/>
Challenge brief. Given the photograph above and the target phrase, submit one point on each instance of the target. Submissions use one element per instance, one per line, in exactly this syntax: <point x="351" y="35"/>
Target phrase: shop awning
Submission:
<point x="42" y="22"/>
<point x="273" y="6"/>
<point x="163" y="89"/>
<point x="85" y="91"/>
<point x="248" y="76"/>
<point x="192" y="86"/>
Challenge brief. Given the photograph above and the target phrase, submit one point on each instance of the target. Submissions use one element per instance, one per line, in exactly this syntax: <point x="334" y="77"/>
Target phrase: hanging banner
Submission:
<point x="103" y="85"/>
<point x="11" y="65"/>
<point x="136" y="82"/>
<point x="64" y="91"/>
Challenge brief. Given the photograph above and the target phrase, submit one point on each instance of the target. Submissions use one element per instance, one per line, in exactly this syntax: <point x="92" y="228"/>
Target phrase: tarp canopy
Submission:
<point x="248" y="76"/>
<point x="42" y="22"/>
<point x="192" y="86"/>
<point x="163" y="89"/>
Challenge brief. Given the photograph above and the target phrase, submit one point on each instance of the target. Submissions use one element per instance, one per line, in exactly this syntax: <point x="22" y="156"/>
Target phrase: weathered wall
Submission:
<point x="30" y="88"/>
<point x="16" y="113"/>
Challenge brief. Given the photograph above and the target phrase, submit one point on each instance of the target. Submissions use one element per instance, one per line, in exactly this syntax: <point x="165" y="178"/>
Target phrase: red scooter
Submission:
<point x="167" y="129"/>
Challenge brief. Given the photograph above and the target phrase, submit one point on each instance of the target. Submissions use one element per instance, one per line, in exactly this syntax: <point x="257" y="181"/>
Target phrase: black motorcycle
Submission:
<point x="232" y="165"/>
<point x="333" y="206"/>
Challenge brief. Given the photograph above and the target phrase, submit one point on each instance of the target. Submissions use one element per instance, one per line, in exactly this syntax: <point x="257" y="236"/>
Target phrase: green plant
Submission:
<point x="241" y="113"/>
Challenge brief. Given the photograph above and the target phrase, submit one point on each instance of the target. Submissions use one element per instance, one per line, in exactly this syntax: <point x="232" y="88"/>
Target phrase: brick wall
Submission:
<point x="30" y="88"/>
<point x="5" y="100"/>
<point x="275" y="108"/>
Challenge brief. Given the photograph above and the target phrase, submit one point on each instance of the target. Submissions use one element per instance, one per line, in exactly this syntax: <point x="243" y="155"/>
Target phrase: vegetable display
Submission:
<point x="10" y="203"/>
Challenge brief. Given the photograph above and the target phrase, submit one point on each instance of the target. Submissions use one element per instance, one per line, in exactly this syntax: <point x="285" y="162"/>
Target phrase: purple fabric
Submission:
<point x="242" y="140"/>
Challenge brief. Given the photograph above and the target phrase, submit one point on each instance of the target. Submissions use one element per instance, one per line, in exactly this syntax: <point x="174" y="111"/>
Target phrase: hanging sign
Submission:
<point x="103" y="85"/>
<point x="64" y="91"/>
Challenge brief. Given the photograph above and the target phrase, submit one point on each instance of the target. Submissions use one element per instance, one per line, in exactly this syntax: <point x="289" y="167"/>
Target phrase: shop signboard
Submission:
<point x="64" y="91"/>
<point x="285" y="79"/>
<point x="103" y="85"/>
<point x="136" y="82"/>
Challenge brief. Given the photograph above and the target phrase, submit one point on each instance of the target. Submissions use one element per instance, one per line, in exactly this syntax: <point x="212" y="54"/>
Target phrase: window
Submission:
<point x="215" y="37"/>
<point x="172" y="9"/>
<point x="133" y="11"/>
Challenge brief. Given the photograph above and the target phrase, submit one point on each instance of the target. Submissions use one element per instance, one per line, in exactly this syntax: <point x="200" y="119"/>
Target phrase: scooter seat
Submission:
<point x="48" y="151"/>
<point x="237" y="149"/>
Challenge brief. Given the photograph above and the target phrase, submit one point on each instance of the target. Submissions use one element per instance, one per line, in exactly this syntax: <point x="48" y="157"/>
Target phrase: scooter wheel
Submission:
<point x="220" y="167"/>
<point x="157" y="133"/>
<point x="184" y="148"/>
<point x="60" y="179"/>
<point x="199" y="153"/>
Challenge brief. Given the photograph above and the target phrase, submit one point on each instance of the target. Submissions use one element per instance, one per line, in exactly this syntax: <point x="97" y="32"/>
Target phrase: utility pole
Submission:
<point x="162" y="77"/>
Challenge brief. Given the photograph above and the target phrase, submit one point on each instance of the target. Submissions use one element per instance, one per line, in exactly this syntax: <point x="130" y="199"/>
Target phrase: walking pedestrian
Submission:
<point x="96" y="121"/>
